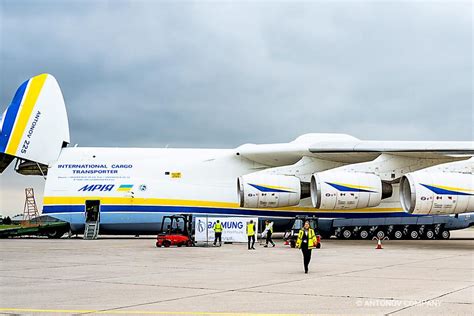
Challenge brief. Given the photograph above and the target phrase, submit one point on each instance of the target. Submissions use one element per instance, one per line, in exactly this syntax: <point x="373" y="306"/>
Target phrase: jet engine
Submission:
<point x="333" y="190"/>
<point x="268" y="191"/>
<point x="425" y="192"/>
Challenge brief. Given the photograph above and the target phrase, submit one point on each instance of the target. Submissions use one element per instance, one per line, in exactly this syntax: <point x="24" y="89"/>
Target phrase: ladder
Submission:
<point x="30" y="211"/>
<point x="91" y="230"/>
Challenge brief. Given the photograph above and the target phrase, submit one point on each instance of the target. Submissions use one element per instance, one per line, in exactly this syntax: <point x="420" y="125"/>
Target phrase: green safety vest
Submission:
<point x="250" y="229"/>
<point x="217" y="228"/>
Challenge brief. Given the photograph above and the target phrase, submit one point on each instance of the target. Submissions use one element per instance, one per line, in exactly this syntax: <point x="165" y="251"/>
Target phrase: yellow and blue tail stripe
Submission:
<point x="18" y="114"/>
<point x="446" y="190"/>
<point x="351" y="188"/>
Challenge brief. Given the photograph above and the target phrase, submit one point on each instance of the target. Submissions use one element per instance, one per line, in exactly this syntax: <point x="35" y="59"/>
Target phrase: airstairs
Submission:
<point x="91" y="230"/>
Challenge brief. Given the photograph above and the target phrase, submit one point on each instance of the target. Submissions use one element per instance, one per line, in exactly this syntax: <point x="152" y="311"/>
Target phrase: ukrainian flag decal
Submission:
<point x="125" y="187"/>
<point x="271" y="188"/>
<point x="344" y="187"/>
<point x="444" y="190"/>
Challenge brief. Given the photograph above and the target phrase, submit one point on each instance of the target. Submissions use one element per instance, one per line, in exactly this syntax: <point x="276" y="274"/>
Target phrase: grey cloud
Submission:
<point x="208" y="74"/>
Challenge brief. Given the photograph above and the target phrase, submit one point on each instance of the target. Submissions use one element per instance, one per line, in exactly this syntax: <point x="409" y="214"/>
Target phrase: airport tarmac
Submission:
<point x="131" y="276"/>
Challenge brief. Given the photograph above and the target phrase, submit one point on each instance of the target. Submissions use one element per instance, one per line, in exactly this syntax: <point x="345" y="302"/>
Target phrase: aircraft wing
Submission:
<point x="352" y="151"/>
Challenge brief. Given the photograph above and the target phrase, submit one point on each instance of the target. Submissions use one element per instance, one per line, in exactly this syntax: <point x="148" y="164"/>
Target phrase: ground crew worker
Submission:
<point x="251" y="234"/>
<point x="269" y="229"/>
<point x="217" y="227"/>
<point x="306" y="242"/>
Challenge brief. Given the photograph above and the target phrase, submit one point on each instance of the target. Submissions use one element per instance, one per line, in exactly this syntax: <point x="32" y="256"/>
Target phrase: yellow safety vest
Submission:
<point x="270" y="229"/>
<point x="312" y="241"/>
<point x="217" y="228"/>
<point x="250" y="229"/>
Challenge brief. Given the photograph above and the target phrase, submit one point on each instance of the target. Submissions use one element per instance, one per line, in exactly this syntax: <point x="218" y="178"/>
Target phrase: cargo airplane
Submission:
<point x="130" y="189"/>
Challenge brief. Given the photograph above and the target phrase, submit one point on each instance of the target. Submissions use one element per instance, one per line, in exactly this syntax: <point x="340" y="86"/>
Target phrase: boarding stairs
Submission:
<point x="91" y="230"/>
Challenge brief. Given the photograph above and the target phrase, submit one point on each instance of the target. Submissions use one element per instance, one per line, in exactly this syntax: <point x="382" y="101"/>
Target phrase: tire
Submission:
<point x="179" y="245"/>
<point x="158" y="245"/>
<point x="380" y="234"/>
<point x="166" y="243"/>
<point x="364" y="234"/>
<point x="55" y="234"/>
<point x="414" y="234"/>
<point x="429" y="234"/>
<point x="397" y="234"/>
<point x="189" y="243"/>
<point x="346" y="234"/>
<point x="445" y="234"/>
<point x="318" y="245"/>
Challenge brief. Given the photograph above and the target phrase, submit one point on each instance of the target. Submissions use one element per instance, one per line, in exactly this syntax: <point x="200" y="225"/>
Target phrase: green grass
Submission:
<point x="8" y="226"/>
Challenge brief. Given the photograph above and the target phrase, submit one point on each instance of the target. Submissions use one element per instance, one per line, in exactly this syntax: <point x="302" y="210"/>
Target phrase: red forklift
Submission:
<point x="176" y="230"/>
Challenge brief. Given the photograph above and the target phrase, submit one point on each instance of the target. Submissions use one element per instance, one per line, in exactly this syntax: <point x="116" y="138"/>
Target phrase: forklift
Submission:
<point x="176" y="230"/>
<point x="292" y="234"/>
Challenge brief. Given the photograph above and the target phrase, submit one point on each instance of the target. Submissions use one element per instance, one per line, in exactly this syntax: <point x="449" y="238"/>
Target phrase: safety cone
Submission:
<point x="379" y="244"/>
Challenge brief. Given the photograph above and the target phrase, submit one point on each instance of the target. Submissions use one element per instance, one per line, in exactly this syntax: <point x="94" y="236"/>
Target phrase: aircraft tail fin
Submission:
<point x="34" y="127"/>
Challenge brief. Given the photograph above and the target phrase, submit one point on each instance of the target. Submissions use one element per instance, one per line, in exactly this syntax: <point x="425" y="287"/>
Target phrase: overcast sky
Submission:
<point x="209" y="74"/>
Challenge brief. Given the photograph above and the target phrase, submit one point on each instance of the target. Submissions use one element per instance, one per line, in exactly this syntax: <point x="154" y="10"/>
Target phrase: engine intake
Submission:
<point x="269" y="191"/>
<point x="332" y="190"/>
<point x="437" y="192"/>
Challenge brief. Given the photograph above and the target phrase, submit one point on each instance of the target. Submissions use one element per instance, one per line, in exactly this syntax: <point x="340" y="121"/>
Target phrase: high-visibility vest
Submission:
<point x="269" y="228"/>
<point x="250" y="229"/>
<point x="218" y="228"/>
<point x="312" y="241"/>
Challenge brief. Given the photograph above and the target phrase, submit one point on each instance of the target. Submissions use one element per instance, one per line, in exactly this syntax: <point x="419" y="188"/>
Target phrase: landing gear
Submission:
<point x="445" y="234"/>
<point x="398" y="234"/>
<point x="414" y="234"/>
<point x="380" y="234"/>
<point x="346" y="233"/>
<point x="364" y="233"/>
<point x="429" y="234"/>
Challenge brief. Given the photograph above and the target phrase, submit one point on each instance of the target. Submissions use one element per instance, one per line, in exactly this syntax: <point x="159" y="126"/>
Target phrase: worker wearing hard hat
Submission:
<point x="251" y="234"/>
<point x="306" y="242"/>
<point x="217" y="227"/>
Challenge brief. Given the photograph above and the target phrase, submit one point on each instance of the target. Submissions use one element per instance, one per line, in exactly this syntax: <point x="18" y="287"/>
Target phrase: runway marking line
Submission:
<point x="34" y="310"/>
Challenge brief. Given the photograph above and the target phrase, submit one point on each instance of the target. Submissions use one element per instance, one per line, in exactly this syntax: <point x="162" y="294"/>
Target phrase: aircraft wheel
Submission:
<point x="346" y="233"/>
<point x="364" y="234"/>
<point x="414" y="234"/>
<point x="166" y="243"/>
<point x="380" y="234"/>
<point x="429" y="234"/>
<point x="445" y="234"/>
<point x="398" y="234"/>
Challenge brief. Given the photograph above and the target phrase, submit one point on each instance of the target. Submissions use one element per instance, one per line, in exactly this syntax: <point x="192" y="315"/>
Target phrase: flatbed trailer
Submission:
<point x="42" y="226"/>
<point x="403" y="227"/>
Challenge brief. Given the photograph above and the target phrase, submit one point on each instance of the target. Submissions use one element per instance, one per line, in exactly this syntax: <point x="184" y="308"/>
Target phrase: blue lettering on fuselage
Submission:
<point x="97" y="187"/>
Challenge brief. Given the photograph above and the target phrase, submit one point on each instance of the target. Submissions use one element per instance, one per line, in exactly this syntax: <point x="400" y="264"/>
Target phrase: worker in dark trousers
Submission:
<point x="251" y="234"/>
<point x="306" y="242"/>
<point x="269" y="230"/>
<point x="217" y="227"/>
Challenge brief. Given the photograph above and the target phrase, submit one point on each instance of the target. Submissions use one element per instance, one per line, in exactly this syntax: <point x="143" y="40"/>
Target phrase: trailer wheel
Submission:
<point x="380" y="234"/>
<point x="346" y="233"/>
<point x="445" y="234"/>
<point x="166" y="243"/>
<point x="414" y="234"/>
<point x="364" y="234"/>
<point x="398" y="234"/>
<point x="429" y="234"/>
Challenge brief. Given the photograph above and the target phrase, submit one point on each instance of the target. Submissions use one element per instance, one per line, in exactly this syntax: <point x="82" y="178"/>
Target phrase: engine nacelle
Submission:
<point x="333" y="190"/>
<point x="437" y="192"/>
<point x="268" y="191"/>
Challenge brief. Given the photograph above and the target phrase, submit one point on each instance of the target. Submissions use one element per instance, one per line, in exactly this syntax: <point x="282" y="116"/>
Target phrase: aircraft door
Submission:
<point x="92" y="211"/>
